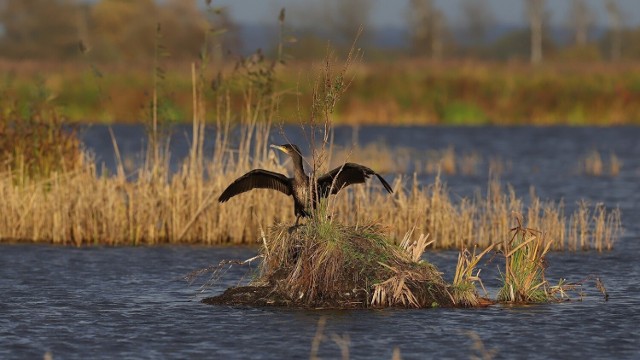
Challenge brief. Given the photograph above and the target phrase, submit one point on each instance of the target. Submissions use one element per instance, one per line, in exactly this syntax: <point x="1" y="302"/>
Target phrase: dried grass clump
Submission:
<point x="523" y="278"/>
<point x="464" y="289"/>
<point x="326" y="264"/>
<point x="615" y="164"/>
<point x="594" y="165"/>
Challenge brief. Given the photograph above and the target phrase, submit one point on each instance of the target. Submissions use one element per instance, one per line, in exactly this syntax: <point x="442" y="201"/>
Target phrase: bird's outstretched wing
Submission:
<point x="345" y="175"/>
<point x="257" y="179"/>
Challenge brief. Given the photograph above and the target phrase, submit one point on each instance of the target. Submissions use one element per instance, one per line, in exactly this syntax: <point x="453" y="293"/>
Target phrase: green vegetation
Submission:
<point x="523" y="278"/>
<point x="102" y="60"/>
<point x="98" y="61"/>
<point x="406" y="92"/>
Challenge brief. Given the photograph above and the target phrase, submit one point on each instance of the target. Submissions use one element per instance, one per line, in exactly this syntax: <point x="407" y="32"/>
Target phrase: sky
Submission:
<point x="394" y="12"/>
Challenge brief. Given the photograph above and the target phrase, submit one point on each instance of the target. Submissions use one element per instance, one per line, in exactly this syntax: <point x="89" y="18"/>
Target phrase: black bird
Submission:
<point x="299" y="186"/>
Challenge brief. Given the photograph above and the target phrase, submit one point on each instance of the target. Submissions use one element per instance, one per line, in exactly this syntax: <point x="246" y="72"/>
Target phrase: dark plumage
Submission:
<point x="298" y="186"/>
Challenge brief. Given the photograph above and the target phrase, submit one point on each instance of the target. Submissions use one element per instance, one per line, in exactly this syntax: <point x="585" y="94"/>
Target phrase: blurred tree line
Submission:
<point x="430" y="34"/>
<point x="125" y="30"/>
<point x="111" y="30"/>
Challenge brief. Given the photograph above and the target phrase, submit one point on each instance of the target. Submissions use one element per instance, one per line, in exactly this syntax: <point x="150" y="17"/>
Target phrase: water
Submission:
<point x="131" y="302"/>
<point x="544" y="157"/>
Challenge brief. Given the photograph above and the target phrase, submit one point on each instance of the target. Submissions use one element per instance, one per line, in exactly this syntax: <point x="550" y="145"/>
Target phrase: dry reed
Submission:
<point x="594" y="165"/>
<point x="615" y="165"/>
<point x="463" y="288"/>
<point x="81" y="207"/>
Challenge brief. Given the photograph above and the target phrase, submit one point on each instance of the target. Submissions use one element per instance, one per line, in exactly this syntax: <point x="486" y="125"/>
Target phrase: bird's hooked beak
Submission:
<point x="281" y="148"/>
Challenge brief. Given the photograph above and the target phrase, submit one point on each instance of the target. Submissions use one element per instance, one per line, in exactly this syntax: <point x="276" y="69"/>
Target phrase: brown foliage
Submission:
<point x="37" y="146"/>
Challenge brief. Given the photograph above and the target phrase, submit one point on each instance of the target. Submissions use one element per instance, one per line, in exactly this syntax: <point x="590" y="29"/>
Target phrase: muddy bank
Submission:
<point x="255" y="296"/>
<point x="262" y="296"/>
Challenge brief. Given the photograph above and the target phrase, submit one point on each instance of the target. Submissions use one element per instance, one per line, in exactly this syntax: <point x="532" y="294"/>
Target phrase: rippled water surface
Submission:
<point x="132" y="301"/>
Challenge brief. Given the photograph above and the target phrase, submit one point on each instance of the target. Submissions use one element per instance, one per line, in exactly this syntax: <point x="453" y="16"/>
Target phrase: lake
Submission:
<point x="132" y="302"/>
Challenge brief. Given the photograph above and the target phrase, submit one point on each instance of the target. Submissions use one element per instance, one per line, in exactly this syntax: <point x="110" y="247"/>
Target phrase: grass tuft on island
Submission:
<point x="326" y="264"/>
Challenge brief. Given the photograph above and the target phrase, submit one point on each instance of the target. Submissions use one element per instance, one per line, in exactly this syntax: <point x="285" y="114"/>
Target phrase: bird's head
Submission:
<point x="289" y="149"/>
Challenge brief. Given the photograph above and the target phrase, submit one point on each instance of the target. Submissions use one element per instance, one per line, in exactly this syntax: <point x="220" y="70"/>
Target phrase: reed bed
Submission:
<point x="81" y="207"/>
<point x="73" y="204"/>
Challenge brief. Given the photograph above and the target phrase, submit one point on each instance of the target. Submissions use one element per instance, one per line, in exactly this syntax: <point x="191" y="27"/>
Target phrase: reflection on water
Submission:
<point x="131" y="302"/>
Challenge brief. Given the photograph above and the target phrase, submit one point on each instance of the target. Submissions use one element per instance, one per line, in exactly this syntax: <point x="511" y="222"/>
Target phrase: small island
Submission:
<point x="323" y="264"/>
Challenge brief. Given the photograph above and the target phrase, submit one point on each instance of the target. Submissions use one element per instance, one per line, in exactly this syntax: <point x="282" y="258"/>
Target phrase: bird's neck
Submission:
<point x="298" y="169"/>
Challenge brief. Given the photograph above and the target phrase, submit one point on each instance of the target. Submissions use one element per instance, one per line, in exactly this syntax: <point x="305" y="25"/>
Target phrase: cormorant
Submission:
<point x="298" y="186"/>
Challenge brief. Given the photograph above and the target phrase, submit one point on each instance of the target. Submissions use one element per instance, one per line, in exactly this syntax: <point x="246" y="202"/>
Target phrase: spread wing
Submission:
<point x="345" y="175"/>
<point x="257" y="179"/>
